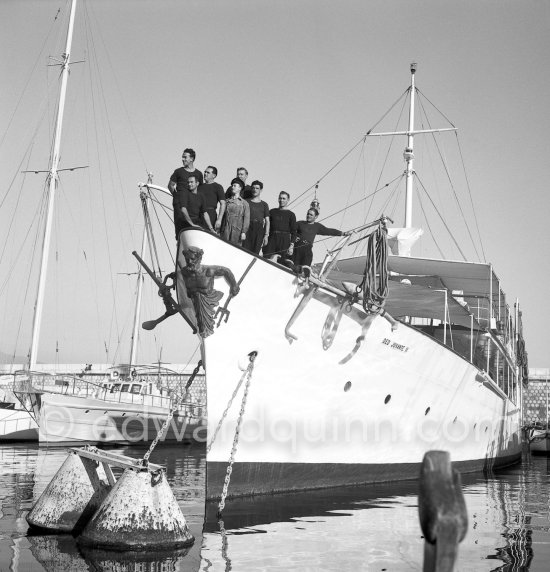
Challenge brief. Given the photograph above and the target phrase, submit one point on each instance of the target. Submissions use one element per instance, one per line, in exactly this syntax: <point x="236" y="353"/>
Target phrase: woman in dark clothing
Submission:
<point x="236" y="218"/>
<point x="306" y="232"/>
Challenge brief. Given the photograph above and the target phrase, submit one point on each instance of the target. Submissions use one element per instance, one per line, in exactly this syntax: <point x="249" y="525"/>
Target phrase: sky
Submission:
<point x="286" y="89"/>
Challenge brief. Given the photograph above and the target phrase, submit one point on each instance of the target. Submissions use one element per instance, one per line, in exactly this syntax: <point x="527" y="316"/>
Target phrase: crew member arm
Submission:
<point x="171" y="187"/>
<point x="207" y="220"/>
<point x="219" y="218"/>
<point x="325" y="231"/>
<point x="246" y="220"/>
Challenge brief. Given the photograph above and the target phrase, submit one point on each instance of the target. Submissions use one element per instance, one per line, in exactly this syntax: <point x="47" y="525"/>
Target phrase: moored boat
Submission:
<point x="349" y="371"/>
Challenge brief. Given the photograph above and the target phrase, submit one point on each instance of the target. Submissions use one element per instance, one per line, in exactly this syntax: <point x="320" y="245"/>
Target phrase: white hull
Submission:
<point x="17" y="425"/>
<point x="311" y="421"/>
<point x="67" y="419"/>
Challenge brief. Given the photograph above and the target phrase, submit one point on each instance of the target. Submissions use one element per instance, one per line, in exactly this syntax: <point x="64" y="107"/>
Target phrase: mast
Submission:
<point x="135" y="331"/>
<point x="52" y="186"/>
<point x="408" y="154"/>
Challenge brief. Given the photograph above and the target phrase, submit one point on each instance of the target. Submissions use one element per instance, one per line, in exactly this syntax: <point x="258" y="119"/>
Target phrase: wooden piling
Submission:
<point x="442" y="511"/>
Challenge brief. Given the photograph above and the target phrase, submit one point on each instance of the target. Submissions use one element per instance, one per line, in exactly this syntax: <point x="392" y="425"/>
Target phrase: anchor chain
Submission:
<point x="224" y="414"/>
<point x="175" y="404"/>
<point x="221" y="505"/>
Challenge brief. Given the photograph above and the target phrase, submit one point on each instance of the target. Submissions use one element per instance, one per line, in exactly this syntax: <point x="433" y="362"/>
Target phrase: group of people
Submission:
<point x="240" y="216"/>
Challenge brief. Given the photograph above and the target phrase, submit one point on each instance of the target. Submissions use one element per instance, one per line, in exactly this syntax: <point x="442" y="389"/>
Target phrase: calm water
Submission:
<point x="372" y="528"/>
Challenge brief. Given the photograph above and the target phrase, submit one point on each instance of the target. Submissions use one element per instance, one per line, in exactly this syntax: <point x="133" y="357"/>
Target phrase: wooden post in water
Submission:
<point x="442" y="511"/>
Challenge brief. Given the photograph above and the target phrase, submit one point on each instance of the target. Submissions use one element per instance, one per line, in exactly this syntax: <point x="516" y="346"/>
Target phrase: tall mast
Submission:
<point x="408" y="154"/>
<point x="52" y="186"/>
<point x="135" y="331"/>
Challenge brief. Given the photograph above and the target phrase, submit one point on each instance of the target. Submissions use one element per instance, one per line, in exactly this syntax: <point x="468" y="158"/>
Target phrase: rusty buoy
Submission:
<point x="71" y="497"/>
<point x="140" y="512"/>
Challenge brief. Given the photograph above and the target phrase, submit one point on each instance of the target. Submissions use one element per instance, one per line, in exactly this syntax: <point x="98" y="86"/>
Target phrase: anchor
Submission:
<point x="299" y="309"/>
<point x="172" y="307"/>
<point x="330" y="327"/>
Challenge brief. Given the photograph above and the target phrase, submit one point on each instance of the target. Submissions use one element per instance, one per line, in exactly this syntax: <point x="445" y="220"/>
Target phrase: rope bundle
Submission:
<point x="374" y="286"/>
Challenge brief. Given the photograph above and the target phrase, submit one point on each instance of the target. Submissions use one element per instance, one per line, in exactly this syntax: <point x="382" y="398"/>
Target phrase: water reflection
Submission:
<point x="359" y="528"/>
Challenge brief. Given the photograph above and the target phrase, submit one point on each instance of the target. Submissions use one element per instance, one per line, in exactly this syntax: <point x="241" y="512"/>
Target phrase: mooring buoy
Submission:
<point x="71" y="497"/>
<point x="140" y="512"/>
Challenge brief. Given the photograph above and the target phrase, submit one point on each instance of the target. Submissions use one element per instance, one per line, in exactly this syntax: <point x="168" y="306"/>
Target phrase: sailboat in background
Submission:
<point x="349" y="371"/>
<point x="131" y="405"/>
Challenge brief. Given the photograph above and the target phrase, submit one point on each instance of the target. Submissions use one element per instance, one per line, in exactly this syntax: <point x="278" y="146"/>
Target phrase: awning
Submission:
<point x="415" y="300"/>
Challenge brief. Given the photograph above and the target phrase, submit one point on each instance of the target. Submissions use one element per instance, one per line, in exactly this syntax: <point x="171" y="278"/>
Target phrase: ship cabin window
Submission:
<point x="115" y="388"/>
<point x="125" y="387"/>
<point x="136" y="388"/>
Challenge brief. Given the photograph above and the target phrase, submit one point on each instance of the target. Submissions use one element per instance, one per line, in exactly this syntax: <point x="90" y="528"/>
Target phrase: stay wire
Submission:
<point x="39" y="57"/>
<point x="441" y="217"/>
<point x="362" y="140"/>
<point x="428" y="225"/>
<point x="470" y="195"/>
<point x="363" y="199"/>
<point x="166" y="211"/>
<point x="444" y="162"/>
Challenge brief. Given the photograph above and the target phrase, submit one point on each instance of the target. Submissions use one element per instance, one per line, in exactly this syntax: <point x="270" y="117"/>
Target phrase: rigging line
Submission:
<point x="114" y="316"/>
<point x="383" y="166"/>
<point x="26" y="153"/>
<point x="395" y="194"/>
<point x="428" y="225"/>
<point x="363" y="138"/>
<point x="436" y="108"/>
<point x="360" y="245"/>
<point x="151" y="240"/>
<point x="41" y="209"/>
<point x="28" y="81"/>
<point x="360" y="161"/>
<point x="13" y="218"/>
<point x="39" y="212"/>
<point x="361" y="200"/>
<point x="168" y="247"/>
<point x="109" y="132"/>
<point x="470" y="195"/>
<point x="115" y="76"/>
<point x="442" y="219"/>
<point x="451" y="182"/>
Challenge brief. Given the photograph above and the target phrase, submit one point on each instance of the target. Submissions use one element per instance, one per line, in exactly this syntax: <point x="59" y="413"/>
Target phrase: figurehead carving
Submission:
<point x="199" y="283"/>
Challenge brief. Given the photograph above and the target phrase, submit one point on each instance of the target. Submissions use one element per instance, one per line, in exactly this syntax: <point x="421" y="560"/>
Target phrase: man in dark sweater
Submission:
<point x="282" y="229"/>
<point x="214" y="195"/>
<point x="190" y="208"/>
<point x="178" y="183"/>
<point x="306" y="231"/>
<point x="258" y="231"/>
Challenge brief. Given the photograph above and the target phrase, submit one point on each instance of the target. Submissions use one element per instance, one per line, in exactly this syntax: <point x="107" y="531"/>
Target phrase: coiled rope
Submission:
<point x="374" y="286"/>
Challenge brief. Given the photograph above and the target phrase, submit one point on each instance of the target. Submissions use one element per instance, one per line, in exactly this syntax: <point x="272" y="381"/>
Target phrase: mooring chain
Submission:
<point x="175" y="404"/>
<point x="249" y="369"/>
<point x="224" y="414"/>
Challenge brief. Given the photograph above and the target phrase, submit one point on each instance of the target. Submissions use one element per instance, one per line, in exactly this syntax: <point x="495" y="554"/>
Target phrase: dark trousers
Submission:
<point x="254" y="236"/>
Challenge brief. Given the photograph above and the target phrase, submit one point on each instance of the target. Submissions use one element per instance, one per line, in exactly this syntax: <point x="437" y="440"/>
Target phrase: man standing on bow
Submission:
<point x="282" y="229"/>
<point x="190" y="208"/>
<point x="258" y="231"/>
<point x="178" y="182"/>
<point x="214" y="196"/>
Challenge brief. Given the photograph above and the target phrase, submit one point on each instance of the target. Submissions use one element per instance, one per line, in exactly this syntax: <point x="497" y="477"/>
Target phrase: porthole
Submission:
<point x="347" y="387"/>
<point x="427" y="410"/>
<point x="387" y="400"/>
